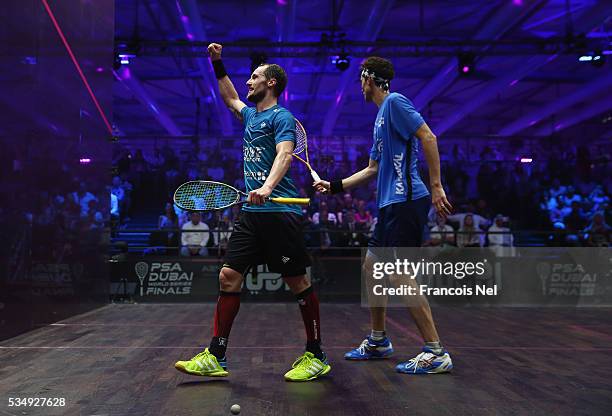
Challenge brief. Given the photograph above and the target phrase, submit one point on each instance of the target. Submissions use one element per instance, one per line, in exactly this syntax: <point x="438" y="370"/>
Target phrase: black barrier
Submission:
<point x="176" y="279"/>
<point x="511" y="277"/>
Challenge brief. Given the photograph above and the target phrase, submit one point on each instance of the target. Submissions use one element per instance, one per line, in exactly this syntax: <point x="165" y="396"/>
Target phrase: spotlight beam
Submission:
<point x="77" y="66"/>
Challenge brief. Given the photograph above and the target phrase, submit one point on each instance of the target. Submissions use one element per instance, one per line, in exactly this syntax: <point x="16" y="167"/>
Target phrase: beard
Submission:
<point x="256" y="97"/>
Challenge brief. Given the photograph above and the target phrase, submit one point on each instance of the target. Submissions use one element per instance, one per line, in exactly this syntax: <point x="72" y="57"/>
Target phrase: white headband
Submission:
<point x="380" y="81"/>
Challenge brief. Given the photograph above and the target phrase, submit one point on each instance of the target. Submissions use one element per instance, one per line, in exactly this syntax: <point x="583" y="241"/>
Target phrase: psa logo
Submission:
<point x="163" y="278"/>
<point x="566" y="279"/>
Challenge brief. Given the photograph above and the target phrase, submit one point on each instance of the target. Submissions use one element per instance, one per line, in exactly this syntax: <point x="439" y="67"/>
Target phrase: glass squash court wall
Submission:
<point x="55" y="160"/>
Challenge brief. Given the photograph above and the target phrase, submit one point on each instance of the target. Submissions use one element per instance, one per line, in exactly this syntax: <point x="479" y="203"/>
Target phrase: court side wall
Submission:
<point x="54" y="144"/>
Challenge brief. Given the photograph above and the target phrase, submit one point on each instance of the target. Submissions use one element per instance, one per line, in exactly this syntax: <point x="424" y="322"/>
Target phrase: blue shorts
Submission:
<point x="401" y="224"/>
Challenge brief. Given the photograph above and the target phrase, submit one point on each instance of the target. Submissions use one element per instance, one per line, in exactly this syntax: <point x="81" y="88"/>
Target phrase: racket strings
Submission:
<point x="202" y="196"/>
<point x="301" y="143"/>
<point x="300" y="140"/>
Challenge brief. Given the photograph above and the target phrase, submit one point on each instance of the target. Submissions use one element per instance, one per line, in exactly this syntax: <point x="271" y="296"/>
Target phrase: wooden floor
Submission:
<point x="118" y="360"/>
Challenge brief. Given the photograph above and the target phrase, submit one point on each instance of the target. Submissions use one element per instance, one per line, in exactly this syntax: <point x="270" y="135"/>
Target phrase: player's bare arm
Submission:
<point x="430" y="149"/>
<point x="357" y="178"/>
<point x="281" y="165"/>
<point x="226" y="87"/>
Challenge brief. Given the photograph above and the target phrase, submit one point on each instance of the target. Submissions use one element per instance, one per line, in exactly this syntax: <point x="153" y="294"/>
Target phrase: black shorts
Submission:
<point x="401" y="224"/>
<point x="272" y="238"/>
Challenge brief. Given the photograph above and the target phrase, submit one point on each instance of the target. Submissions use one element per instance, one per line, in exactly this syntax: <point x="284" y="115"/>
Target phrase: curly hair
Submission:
<point x="381" y="68"/>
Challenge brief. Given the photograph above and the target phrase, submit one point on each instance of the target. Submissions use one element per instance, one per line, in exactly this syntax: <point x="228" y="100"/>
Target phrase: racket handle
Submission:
<point x="314" y="175"/>
<point x="296" y="201"/>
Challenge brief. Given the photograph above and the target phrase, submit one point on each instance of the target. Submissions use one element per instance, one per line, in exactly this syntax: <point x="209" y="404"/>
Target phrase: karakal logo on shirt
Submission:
<point x="399" y="182"/>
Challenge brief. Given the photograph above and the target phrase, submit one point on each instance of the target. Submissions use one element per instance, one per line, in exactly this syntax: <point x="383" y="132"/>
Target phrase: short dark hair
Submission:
<point x="279" y="74"/>
<point x="380" y="66"/>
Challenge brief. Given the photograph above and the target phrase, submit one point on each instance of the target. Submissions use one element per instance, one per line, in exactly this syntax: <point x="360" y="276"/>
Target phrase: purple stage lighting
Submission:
<point x="124" y="58"/>
<point x="84" y="160"/>
<point x="465" y="63"/>
<point x="526" y="160"/>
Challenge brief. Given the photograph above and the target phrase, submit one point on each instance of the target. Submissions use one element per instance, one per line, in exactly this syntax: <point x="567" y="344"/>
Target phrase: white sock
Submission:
<point x="435" y="347"/>
<point x="377" y="335"/>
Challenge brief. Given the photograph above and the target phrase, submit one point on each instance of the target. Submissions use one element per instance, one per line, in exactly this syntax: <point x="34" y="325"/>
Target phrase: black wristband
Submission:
<point x="219" y="68"/>
<point x="335" y="187"/>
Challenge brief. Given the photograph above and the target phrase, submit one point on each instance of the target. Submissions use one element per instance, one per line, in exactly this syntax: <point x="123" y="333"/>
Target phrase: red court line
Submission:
<point x="156" y="324"/>
<point x="78" y="67"/>
<point x="588" y="332"/>
<point x="301" y="346"/>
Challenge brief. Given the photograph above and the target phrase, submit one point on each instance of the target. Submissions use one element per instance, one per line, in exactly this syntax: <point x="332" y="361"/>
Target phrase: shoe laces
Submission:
<point x="206" y="357"/>
<point x="365" y="345"/>
<point x="424" y="359"/>
<point x="303" y="361"/>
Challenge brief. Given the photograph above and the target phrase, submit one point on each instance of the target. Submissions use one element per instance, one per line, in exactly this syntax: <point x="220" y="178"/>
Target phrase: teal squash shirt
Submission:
<point x="262" y="132"/>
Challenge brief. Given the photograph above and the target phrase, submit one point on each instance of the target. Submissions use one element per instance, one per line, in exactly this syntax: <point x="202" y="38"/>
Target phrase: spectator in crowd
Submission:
<point x="223" y="231"/>
<point x="195" y="236"/>
<point x="95" y="216"/>
<point x="572" y="196"/>
<point x="351" y="232"/>
<point x="598" y="233"/>
<point x="82" y="198"/>
<point x="441" y="234"/>
<point x="477" y="221"/>
<point x="557" y="189"/>
<point x="324" y="222"/>
<point x="114" y="207"/>
<point x="139" y="167"/>
<point x="324" y="216"/>
<point x="363" y="216"/>
<point x="169" y="221"/>
<point x="216" y="172"/>
<point x="599" y="198"/>
<point x="574" y="223"/>
<point x="474" y="187"/>
<point x="156" y="161"/>
<point x="469" y="234"/>
<point x="127" y="190"/>
<point x="348" y="202"/>
<point x="483" y="209"/>
<point x="119" y="192"/>
<point x="500" y="240"/>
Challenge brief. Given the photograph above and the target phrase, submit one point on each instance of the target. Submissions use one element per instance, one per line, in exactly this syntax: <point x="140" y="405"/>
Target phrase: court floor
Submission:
<point x="118" y="360"/>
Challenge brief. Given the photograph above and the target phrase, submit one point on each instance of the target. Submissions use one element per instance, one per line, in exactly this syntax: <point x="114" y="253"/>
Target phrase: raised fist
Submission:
<point x="214" y="49"/>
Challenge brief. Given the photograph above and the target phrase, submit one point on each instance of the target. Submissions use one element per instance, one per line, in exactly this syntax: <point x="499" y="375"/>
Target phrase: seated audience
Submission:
<point x="469" y="234"/>
<point x="500" y="240"/>
<point x="441" y="234"/>
<point x="195" y="236"/>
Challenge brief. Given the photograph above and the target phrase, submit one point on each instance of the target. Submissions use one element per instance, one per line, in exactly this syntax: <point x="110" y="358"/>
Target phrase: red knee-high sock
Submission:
<point x="309" y="306"/>
<point x="228" y="305"/>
